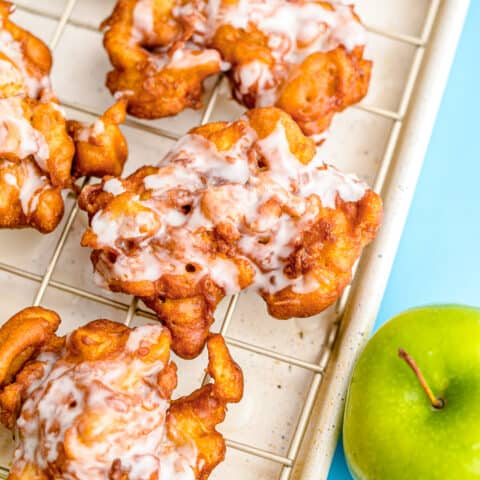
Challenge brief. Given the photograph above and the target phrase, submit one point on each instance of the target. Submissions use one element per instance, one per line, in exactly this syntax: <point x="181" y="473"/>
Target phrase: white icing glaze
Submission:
<point x="33" y="185"/>
<point x="172" y="177"/>
<point x="185" y="57"/>
<point x="13" y="50"/>
<point x="284" y="166"/>
<point x="58" y="108"/>
<point x="143" y="337"/>
<point x="119" y="94"/>
<point x="90" y="131"/>
<point x="268" y="207"/>
<point x="143" y="22"/>
<point x="114" y="186"/>
<point x="98" y="128"/>
<point x="124" y="407"/>
<point x="334" y="183"/>
<point x="28" y="181"/>
<point x="19" y="140"/>
<point x="9" y="73"/>
<point x="10" y="179"/>
<point x="294" y="30"/>
<point x="196" y="153"/>
<point x="17" y="136"/>
<point x="181" y="57"/>
<point x="109" y="231"/>
<point x="256" y="75"/>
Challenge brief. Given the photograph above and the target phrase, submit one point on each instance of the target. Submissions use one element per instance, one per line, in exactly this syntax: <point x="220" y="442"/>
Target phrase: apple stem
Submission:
<point x="436" y="402"/>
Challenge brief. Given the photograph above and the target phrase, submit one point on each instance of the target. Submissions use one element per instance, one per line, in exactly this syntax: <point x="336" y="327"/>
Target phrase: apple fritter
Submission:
<point x="154" y="69"/>
<point x="231" y="206"/>
<point x="38" y="158"/>
<point x="97" y="403"/>
<point x="304" y="56"/>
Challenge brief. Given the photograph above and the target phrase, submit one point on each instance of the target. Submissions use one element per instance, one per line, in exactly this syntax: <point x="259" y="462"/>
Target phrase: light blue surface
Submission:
<point x="439" y="256"/>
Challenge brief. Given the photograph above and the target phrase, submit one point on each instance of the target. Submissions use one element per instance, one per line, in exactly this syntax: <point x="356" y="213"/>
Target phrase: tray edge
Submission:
<point x="320" y="441"/>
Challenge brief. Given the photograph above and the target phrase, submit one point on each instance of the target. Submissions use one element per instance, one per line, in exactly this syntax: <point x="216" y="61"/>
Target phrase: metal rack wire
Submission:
<point x="286" y="461"/>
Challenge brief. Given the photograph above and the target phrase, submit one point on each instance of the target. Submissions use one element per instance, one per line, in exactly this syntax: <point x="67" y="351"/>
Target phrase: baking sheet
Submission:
<point x="267" y="418"/>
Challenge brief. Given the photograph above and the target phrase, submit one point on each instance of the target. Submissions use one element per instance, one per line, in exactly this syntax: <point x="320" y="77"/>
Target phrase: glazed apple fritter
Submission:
<point x="304" y="56"/>
<point x="97" y="403"/>
<point x="232" y="205"/>
<point x="38" y="157"/>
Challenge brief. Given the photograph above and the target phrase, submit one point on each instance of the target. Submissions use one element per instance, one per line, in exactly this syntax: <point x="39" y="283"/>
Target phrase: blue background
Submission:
<point x="439" y="256"/>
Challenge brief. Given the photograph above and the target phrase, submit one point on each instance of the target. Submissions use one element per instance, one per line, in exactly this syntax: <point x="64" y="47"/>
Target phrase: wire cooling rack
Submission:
<point x="301" y="458"/>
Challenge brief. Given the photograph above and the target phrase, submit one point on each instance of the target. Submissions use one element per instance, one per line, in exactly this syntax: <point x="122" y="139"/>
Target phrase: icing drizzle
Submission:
<point x="257" y="197"/>
<point x="100" y="412"/>
<point x="12" y="49"/>
<point x="17" y="136"/>
<point x="294" y="29"/>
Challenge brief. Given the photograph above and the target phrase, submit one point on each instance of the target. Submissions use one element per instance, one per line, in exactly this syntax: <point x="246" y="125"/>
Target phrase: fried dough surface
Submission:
<point x="35" y="163"/>
<point x="38" y="158"/>
<point x="231" y="206"/>
<point x="25" y="61"/>
<point x="100" y="148"/>
<point x="305" y="57"/>
<point x="161" y="83"/>
<point x="97" y="403"/>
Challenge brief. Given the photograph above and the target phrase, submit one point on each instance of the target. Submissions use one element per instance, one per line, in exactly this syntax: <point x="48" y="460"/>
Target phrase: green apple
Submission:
<point x="417" y="416"/>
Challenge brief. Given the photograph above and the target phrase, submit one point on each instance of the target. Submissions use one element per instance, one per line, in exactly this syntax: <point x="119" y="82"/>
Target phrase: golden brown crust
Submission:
<point x="188" y="317"/>
<point x="190" y="421"/>
<point x="330" y="248"/>
<point x="152" y="92"/>
<point x="325" y="83"/>
<point x="195" y="416"/>
<point x="102" y="152"/>
<point x="50" y="122"/>
<point x="49" y="210"/>
<point x="22" y="336"/>
<point x="183" y="288"/>
<point x="164" y="93"/>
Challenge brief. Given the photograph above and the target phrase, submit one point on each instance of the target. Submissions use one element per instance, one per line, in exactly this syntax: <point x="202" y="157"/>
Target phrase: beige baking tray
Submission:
<point x="296" y="371"/>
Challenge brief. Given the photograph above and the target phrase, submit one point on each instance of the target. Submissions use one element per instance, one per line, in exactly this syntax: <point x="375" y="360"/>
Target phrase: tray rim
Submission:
<point x="319" y="444"/>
